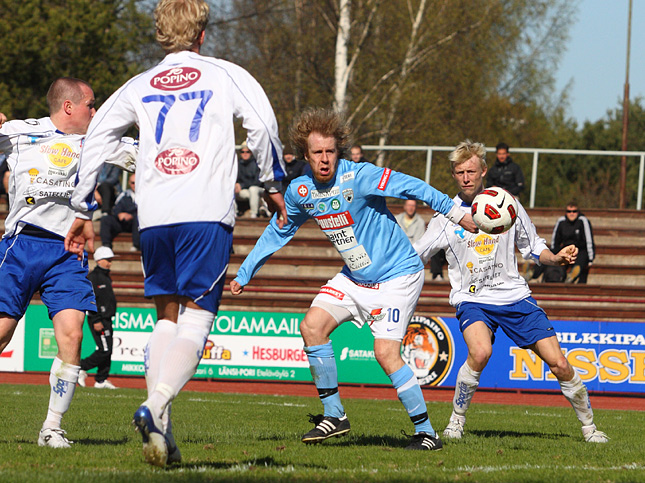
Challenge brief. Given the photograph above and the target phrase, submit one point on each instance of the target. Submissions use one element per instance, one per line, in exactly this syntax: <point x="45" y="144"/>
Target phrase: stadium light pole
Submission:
<point x="623" y="160"/>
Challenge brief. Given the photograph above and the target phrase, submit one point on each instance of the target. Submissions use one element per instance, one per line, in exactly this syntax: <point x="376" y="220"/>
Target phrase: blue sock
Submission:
<point x="409" y="392"/>
<point x="323" y="370"/>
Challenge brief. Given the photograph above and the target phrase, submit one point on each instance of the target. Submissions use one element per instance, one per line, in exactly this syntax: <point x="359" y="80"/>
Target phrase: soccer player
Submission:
<point x="186" y="171"/>
<point x="488" y="293"/>
<point x="382" y="277"/>
<point x="43" y="160"/>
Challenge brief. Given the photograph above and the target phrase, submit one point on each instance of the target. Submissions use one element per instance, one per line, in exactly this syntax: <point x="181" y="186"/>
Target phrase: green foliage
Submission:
<point x="96" y="40"/>
<point x="234" y="437"/>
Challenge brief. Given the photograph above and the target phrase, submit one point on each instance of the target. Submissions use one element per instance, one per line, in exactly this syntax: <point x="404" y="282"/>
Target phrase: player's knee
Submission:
<point x="561" y="369"/>
<point x="479" y="356"/>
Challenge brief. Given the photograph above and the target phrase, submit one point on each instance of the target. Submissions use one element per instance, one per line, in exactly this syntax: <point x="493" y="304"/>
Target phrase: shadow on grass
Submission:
<point x="351" y="439"/>
<point x="246" y="465"/>
<point x="517" y="434"/>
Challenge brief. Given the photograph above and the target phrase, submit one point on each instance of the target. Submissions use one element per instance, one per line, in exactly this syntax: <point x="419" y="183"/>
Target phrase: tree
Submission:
<point x="100" y="41"/>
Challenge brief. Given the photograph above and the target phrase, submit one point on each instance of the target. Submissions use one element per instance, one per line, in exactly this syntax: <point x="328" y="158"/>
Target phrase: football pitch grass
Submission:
<point x="240" y="437"/>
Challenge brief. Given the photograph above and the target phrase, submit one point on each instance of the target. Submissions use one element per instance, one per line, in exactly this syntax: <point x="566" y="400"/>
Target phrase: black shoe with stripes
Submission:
<point x="326" y="427"/>
<point x="425" y="442"/>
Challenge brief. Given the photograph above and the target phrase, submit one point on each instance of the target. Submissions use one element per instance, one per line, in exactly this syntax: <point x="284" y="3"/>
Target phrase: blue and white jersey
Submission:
<point x="43" y="163"/>
<point x="352" y="212"/>
<point x="187" y="166"/>
<point x="482" y="267"/>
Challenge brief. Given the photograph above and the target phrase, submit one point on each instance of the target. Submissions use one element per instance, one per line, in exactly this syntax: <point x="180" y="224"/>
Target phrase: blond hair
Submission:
<point x="179" y="23"/>
<point x="64" y="89"/>
<point x="466" y="150"/>
<point x="327" y="122"/>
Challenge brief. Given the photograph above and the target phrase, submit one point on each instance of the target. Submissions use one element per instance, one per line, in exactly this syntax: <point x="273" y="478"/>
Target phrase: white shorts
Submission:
<point x="386" y="307"/>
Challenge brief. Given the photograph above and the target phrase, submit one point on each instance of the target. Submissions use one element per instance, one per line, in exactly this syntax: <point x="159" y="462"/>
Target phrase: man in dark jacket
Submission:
<point x="100" y="322"/>
<point x="505" y="173"/>
<point x="295" y="167"/>
<point x="122" y="219"/>
<point x="575" y="229"/>
<point x="248" y="186"/>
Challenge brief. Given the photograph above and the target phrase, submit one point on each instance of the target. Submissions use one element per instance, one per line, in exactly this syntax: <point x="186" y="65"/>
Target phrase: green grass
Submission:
<point x="233" y="437"/>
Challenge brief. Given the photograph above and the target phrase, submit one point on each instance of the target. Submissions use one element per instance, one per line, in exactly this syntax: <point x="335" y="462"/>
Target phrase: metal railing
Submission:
<point x="536" y="153"/>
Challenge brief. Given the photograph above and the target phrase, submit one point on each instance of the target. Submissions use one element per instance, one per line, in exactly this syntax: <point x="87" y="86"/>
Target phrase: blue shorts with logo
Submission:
<point x="187" y="259"/>
<point x="523" y="322"/>
<point x="29" y="264"/>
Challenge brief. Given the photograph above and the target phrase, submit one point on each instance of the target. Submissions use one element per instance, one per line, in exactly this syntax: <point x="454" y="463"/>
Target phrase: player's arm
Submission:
<point x="272" y="239"/>
<point x="528" y="242"/>
<point x="3" y="119"/>
<point x="433" y="239"/>
<point x="252" y="105"/>
<point x="386" y="182"/>
<point x="566" y="256"/>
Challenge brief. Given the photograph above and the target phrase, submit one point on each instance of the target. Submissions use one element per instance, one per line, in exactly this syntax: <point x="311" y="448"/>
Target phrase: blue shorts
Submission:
<point x="187" y="259"/>
<point x="29" y="264"/>
<point x="523" y="322"/>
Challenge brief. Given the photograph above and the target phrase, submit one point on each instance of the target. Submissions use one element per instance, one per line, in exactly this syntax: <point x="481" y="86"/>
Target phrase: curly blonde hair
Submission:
<point x="326" y="122"/>
<point x="179" y="23"/>
<point x="466" y="150"/>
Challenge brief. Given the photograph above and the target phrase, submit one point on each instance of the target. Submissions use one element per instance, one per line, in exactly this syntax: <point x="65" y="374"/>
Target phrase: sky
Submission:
<point x="596" y="55"/>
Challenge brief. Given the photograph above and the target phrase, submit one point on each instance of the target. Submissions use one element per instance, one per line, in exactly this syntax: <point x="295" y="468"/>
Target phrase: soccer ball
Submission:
<point x="494" y="210"/>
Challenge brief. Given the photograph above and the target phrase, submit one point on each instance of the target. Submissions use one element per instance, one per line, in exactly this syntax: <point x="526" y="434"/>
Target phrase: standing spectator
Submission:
<point x="495" y="296"/>
<point x="575" y="229"/>
<point x="185" y="108"/>
<point x="505" y="173"/>
<point x="295" y="167"/>
<point x="108" y="187"/>
<point x="32" y="248"/>
<point x="382" y="277"/>
<point x="248" y="187"/>
<point x="122" y="219"/>
<point x="100" y="322"/>
<point x="356" y="152"/>
<point x="411" y="222"/>
<point x="4" y="176"/>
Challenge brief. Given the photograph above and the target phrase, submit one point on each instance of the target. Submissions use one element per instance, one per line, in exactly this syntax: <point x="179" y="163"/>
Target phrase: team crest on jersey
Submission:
<point x="322" y="206"/>
<point x="348" y="194"/>
<point x="335" y="204"/>
<point x="302" y="190"/>
<point x="176" y="161"/>
<point x="175" y="78"/>
<point x="60" y="155"/>
<point x="428" y="349"/>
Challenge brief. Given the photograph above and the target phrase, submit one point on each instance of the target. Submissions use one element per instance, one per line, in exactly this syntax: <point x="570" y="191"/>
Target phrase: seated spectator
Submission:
<point x="248" y="187"/>
<point x="122" y="219"/>
<point x="108" y="187"/>
<point x="575" y="229"/>
<point x="356" y="152"/>
<point x="295" y="167"/>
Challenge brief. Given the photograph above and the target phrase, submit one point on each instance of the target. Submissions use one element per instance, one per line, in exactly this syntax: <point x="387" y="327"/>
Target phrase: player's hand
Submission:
<point x="98" y="326"/>
<point x="236" y="288"/>
<point x="79" y="234"/>
<point x="276" y="205"/>
<point x="567" y="256"/>
<point x="3" y="119"/>
<point x="468" y="224"/>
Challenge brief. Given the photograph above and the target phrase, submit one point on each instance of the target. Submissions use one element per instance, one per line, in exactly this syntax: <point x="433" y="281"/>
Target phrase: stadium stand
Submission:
<point x="292" y="277"/>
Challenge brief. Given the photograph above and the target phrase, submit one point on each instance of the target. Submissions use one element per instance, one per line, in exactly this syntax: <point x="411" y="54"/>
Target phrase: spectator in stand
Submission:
<point x="295" y="167"/>
<point x="575" y="229"/>
<point x="356" y="152"/>
<point x="100" y="322"/>
<point x="505" y="173"/>
<point x="411" y="222"/>
<point x="108" y="187"/>
<point x="248" y="187"/>
<point x="122" y="219"/>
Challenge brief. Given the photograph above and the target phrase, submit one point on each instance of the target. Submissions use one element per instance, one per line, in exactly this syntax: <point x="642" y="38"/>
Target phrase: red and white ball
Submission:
<point x="494" y="210"/>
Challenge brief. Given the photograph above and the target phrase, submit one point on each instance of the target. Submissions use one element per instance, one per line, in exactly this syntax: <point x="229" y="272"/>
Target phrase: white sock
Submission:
<point x="576" y="393"/>
<point x="62" y="379"/>
<point x="163" y="334"/>
<point x="465" y="387"/>
<point x="180" y="360"/>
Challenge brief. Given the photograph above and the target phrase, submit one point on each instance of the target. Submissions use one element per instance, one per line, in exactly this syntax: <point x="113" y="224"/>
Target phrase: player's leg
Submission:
<point x="255" y="197"/>
<point x="319" y="322"/>
<point x="478" y="338"/>
<point x="68" y="330"/>
<point x="548" y="349"/>
<point x="7" y="327"/>
<point x="93" y="359"/>
<point x="104" y="361"/>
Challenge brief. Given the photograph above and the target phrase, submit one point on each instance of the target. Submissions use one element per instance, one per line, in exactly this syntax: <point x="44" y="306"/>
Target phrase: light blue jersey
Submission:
<point x="352" y="212"/>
